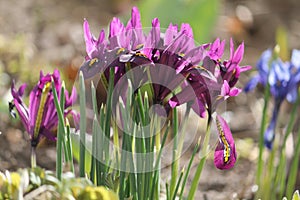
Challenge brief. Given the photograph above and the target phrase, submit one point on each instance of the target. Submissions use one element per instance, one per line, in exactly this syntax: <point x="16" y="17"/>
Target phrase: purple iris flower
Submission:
<point x="40" y="118"/>
<point x="128" y="47"/>
<point x="215" y="80"/>
<point x="198" y="72"/>
<point x="283" y="78"/>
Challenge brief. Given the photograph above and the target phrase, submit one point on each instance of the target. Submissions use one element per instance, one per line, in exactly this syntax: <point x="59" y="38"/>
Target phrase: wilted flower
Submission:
<point x="40" y="118"/>
<point x="283" y="78"/>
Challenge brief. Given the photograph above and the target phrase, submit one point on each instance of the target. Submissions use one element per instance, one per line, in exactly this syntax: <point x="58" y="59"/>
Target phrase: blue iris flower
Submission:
<point x="283" y="78"/>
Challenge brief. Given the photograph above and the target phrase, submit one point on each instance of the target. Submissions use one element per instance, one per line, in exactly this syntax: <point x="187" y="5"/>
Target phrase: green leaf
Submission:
<point x="200" y="14"/>
<point x="75" y="138"/>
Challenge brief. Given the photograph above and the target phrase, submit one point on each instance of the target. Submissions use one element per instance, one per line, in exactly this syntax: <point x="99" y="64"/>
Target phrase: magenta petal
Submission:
<point x="170" y="34"/>
<point x="187" y="30"/>
<point x="116" y="27"/>
<point x="238" y="55"/>
<point x="135" y="21"/>
<point x="199" y="108"/>
<point x="173" y="103"/>
<point x="234" y="92"/>
<point x="70" y="100"/>
<point x="23" y="113"/>
<point x="88" y="37"/>
<point x="22" y="89"/>
<point x="225" y="154"/>
<point x="245" y="68"/>
<point x="217" y="49"/>
<point x="225" y="89"/>
<point x="101" y="37"/>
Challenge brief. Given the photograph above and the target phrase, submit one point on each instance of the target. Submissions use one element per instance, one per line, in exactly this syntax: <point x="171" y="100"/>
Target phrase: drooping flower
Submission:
<point x="225" y="153"/>
<point x="283" y="78"/>
<point x="40" y="117"/>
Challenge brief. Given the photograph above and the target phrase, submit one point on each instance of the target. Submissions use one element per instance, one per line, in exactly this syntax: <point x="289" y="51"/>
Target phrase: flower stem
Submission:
<point x="281" y="177"/>
<point x="200" y="166"/>
<point x="293" y="170"/>
<point x="33" y="157"/>
<point x="261" y="134"/>
<point x="175" y="163"/>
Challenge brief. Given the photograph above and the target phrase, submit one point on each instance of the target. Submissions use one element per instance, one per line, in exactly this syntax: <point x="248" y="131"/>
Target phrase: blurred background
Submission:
<point x="47" y="34"/>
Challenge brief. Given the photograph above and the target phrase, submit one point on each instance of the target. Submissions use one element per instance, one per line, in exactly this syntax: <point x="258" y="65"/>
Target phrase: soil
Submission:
<point x="52" y="32"/>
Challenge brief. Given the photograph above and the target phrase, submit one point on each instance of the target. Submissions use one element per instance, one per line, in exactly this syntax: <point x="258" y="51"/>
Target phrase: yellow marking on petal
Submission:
<point x="181" y="54"/>
<point x="199" y="67"/>
<point x="139" y="54"/>
<point x="234" y="72"/>
<point x="139" y="47"/>
<point x="219" y="97"/>
<point x="39" y="116"/>
<point x="120" y="50"/>
<point x="224" y="142"/>
<point x="93" y="61"/>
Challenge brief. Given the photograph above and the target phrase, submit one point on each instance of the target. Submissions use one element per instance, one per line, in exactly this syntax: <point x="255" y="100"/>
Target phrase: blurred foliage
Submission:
<point x="16" y="54"/>
<point x="200" y="14"/>
<point x="38" y="183"/>
<point x="282" y="42"/>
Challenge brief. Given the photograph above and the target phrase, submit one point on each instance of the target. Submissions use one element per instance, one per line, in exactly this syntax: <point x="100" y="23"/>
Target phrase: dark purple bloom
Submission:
<point x="178" y="71"/>
<point x="40" y="118"/>
<point x="215" y="80"/>
<point x="128" y="47"/>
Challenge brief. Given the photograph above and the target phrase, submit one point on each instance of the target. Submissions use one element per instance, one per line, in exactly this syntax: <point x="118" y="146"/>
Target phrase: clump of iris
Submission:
<point x="208" y="78"/>
<point x="283" y="78"/>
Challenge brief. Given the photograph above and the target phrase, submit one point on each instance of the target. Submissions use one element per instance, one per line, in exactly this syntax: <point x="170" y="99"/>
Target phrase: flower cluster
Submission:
<point x="200" y="77"/>
<point x="283" y="78"/>
<point x="40" y="118"/>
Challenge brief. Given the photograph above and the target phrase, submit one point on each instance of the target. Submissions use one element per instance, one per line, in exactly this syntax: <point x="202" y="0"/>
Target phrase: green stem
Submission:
<point x="280" y="175"/>
<point x="261" y="135"/>
<point x="175" y="163"/>
<point x="200" y="166"/>
<point x="188" y="170"/>
<point x="33" y="157"/>
<point x="293" y="170"/>
<point x="69" y="146"/>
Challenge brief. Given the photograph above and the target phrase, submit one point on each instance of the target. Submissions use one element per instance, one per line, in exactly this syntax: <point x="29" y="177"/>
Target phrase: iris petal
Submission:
<point x="225" y="154"/>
